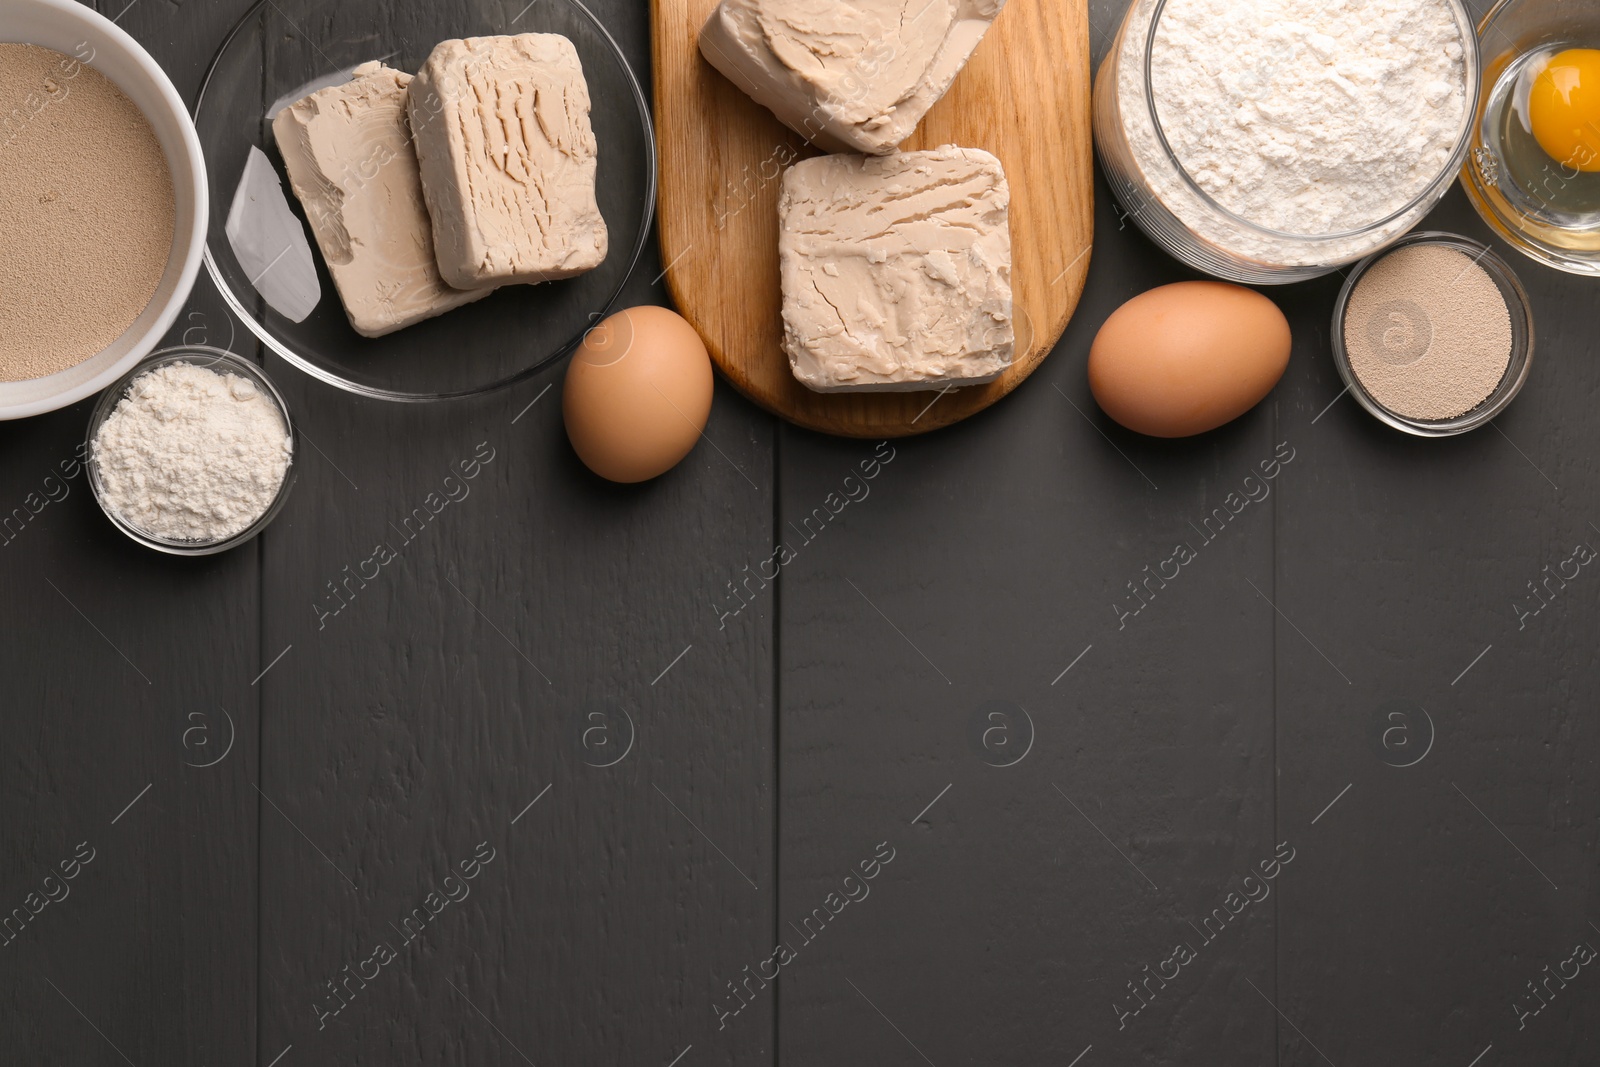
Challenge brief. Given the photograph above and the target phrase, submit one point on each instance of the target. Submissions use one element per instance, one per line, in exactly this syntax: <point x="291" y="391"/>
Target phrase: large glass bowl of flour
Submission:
<point x="282" y="50"/>
<point x="1272" y="141"/>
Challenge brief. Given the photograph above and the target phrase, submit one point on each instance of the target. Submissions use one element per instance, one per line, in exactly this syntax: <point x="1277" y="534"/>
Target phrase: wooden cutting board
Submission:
<point x="1024" y="96"/>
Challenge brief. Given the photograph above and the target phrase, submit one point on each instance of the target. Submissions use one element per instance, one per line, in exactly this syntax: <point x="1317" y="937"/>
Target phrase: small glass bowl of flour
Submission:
<point x="1273" y="141"/>
<point x="192" y="452"/>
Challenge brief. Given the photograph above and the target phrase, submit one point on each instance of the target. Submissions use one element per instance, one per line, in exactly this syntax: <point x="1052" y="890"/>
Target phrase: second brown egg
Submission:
<point x="1186" y="358"/>
<point x="637" y="394"/>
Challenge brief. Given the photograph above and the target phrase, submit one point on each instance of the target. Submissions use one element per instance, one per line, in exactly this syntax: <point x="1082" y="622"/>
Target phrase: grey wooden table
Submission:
<point x="936" y="794"/>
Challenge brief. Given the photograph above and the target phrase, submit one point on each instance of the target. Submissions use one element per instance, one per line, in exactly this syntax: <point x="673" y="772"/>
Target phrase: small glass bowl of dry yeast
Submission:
<point x="1433" y="336"/>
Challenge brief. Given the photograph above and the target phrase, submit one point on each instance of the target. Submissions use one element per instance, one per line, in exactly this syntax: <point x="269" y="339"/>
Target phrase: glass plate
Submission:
<point x="280" y="48"/>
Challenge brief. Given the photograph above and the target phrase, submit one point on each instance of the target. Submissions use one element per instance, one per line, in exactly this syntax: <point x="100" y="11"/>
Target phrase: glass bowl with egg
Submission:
<point x="1270" y="153"/>
<point x="1534" y="171"/>
<point x="264" y="250"/>
<point x="244" y="381"/>
<point x="1439" y="347"/>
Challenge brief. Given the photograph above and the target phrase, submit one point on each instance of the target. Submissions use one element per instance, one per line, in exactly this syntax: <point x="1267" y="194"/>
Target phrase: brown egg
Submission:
<point x="1186" y="358"/>
<point x="637" y="394"/>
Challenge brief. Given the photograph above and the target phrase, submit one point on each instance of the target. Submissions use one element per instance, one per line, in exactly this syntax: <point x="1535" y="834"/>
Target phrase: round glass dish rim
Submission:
<point x="1475" y="418"/>
<point x="1458" y="157"/>
<point x="306" y="366"/>
<point x="199" y="355"/>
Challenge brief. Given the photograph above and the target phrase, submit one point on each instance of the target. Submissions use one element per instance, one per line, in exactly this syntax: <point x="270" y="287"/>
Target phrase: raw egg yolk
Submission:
<point x="1564" y="109"/>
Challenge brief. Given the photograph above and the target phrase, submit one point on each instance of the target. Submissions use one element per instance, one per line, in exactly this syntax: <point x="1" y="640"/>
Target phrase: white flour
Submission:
<point x="191" y="454"/>
<point x="1310" y="116"/>
<point x="1307" y="117"/>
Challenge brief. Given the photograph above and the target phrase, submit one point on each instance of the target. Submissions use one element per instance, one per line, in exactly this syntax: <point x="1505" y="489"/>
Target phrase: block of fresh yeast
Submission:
<point x="348" y="153"/>
<point x="847" y="75"/>
<point x="896" y="270"/>
<point x="508" y="158"/>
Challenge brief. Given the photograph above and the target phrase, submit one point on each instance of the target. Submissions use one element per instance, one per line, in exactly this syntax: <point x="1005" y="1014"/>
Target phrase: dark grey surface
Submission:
<point x="1358" y="619"/>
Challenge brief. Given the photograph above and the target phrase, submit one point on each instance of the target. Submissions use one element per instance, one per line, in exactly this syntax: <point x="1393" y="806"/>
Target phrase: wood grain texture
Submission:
<point x="984" y="563"/>
<point x="423" y="714"/>
<point x="1024" y="96"/>
<point x="426" y="715"/>
<point x="1461" y="862"/>
<point x="606" y="930"/>
<point x="110" y="656"/>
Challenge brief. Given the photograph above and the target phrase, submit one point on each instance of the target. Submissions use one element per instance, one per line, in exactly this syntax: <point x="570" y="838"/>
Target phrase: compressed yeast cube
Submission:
<point x="348" y="152"/>
<point x="501" y="126"/>
<point x="847" y="75"/>
<point x="896" y="270"/>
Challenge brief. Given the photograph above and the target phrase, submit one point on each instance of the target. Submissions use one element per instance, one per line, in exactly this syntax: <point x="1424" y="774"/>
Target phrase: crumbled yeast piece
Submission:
<point x="847" y="75"/>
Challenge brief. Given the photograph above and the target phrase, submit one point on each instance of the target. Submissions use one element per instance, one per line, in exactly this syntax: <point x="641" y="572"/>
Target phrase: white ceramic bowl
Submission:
<point x="68" y="26"/>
